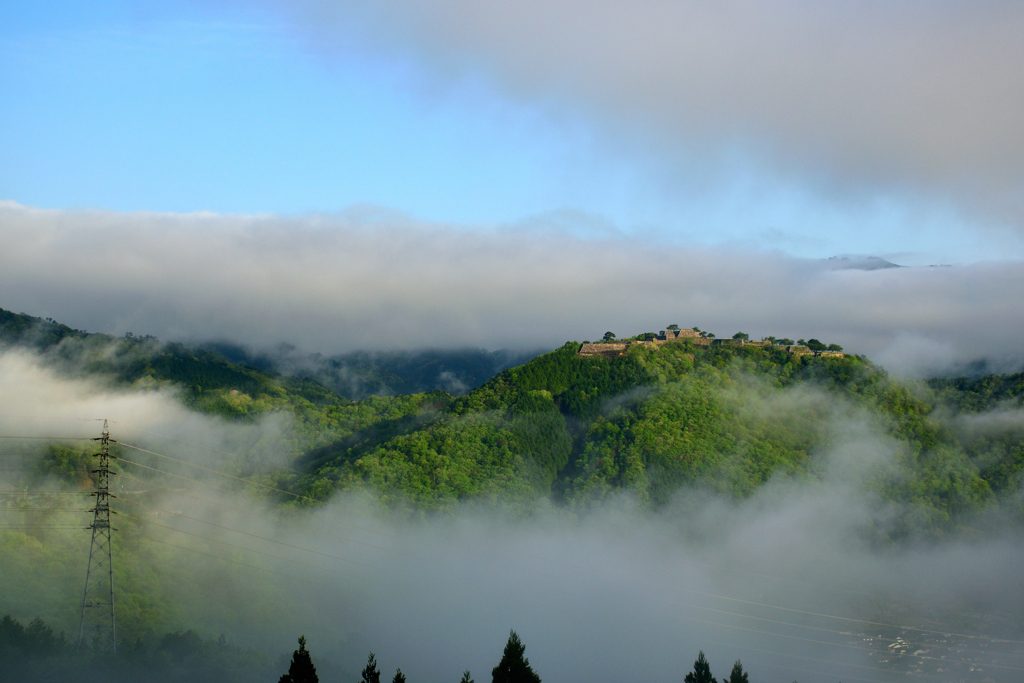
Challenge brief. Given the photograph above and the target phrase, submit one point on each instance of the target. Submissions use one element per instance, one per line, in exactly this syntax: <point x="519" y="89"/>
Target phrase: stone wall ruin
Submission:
<point x="694" y="337"/>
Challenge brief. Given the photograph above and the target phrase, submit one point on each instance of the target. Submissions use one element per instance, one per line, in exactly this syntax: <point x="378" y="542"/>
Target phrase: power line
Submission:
<point x="224" y="474"/>
<point x="33" y="509"/>
<point x="46" y="493"/>
<point x="228" y="559"/>
<point x="194" y="445"/>
<point x="200" y="483"/>
<point x="275" y="520"/>
<point x="238" y="547"/>
<point x="50" y="438"/>
<point x="269" y="540"/>
<point x="34" y="526"/>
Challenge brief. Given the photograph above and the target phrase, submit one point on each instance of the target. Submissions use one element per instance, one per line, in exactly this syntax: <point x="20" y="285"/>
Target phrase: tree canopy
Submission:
<point x="514" y="667"/>
<point x="370" y="672"/>
<point x="737" y="675"/>
<point x="301" y="669"/>
<point x="701" y="671"/>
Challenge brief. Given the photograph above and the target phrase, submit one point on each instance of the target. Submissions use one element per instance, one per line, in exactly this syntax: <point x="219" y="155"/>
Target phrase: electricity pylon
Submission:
<point x="98" y="598"/>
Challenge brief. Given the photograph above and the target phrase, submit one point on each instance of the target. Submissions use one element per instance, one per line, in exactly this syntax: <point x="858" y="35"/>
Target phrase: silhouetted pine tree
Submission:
<point x="514" y="667"/>
<point x="738" y="675"/>
<point x="466" y="678"/>
<point x="370" y="672"/>
<point x="701" y="671"/>
<point x="399" y="677"/>
<point x="301" y="669"/>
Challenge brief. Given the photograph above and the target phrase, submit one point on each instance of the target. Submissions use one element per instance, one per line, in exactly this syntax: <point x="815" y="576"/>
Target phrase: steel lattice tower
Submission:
<point x="98" y="599"/>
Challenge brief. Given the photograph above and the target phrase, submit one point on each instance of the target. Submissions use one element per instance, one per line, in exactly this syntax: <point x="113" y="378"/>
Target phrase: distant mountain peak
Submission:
<point x="855" y="262"/>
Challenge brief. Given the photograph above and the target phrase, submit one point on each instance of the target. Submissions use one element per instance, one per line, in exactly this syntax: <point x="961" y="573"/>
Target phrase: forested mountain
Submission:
<point x="207" y="377"/>
<point x="218" y="365"/>
<point x="654" y="420"/>
<point x="359" y="374"/>
<point x="576" y="429"/>
<point x="560" y="434"/>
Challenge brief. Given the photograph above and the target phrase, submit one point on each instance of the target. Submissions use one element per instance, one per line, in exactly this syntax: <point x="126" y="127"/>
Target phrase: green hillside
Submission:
<point x="208" y="378"/>
<point x="570" y="430"/>
<point x="576" y="429"/>
<point x="579" y="429"/>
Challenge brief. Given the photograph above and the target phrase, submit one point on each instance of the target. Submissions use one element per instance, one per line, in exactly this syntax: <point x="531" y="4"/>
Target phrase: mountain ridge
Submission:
<point x="575" y="429"/>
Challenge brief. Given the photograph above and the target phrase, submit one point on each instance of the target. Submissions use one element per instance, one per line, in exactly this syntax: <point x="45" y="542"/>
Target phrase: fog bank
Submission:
<point x="792" y="580"/>
<point x="335" y="283"/>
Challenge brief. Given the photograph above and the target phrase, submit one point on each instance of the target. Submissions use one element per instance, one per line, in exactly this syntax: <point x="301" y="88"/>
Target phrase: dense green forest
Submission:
<point x="36" y="652"/>
<point x="577" y="429"/>
<point x="359" y="374"/>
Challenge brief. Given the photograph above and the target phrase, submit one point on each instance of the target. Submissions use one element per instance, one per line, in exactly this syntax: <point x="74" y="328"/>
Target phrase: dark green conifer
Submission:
<point x="701" y="671"/>
<point x="514" y="667"/>
<point x="301" y="669"/>
<point x="399" y="677"/>
<point x="466" y="678"/>
<point x="738" y="675"/>
<point x="370" y="672"/>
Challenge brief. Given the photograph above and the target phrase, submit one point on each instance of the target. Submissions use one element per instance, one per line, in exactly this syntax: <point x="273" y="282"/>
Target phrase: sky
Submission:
<point x="779" y="132"/>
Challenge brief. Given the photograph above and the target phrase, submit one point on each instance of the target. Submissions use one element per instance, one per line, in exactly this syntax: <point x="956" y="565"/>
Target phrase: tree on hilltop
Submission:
<point x="370" y="672"/>
<point x="701" y="671"/>
<point x="815" y="345"/>
<point x="609" y="337"/>
<point x="301" y="669"/>
<point x="741" y="335"/>
<point x="738" y="675"/>
<point x="673" y="326"/>
<point x="835" y="347"/>
<point x="514" y="667"/>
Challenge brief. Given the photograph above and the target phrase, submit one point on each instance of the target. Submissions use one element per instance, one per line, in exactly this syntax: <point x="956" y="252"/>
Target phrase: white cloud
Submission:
<point x="336" y="283"/>
<point x="915" y="97"/>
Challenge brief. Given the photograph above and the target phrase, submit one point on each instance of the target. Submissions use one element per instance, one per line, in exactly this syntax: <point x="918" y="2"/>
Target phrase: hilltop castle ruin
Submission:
<point x="697" y="339"/>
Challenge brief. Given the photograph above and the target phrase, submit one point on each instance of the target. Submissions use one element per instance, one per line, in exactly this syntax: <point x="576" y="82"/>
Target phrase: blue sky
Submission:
<point x="191" y="110"/>
<point x="239" y="108"/>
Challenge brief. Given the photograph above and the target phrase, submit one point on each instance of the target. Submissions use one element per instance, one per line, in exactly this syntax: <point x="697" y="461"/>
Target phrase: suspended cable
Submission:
<point x="33" y="509"/>
<point x="50" y="438"/>
<point x="275" y="520"/>
<point x="238" y="547"/>
<point x="269" y="540"/>
<point x="227" y="559"/>
<point x="46" y="493"/>
<point x="200" y="483"/>
<point x="224" y="474"/>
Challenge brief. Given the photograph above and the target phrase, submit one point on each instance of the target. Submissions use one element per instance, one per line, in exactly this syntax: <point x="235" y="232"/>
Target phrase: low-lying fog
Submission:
<point x="790" y="581"/>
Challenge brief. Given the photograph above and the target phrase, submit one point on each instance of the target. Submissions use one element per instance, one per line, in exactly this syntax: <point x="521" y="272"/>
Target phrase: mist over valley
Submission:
<point x="674" y="341"/>
<point x="813" y="517"/>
